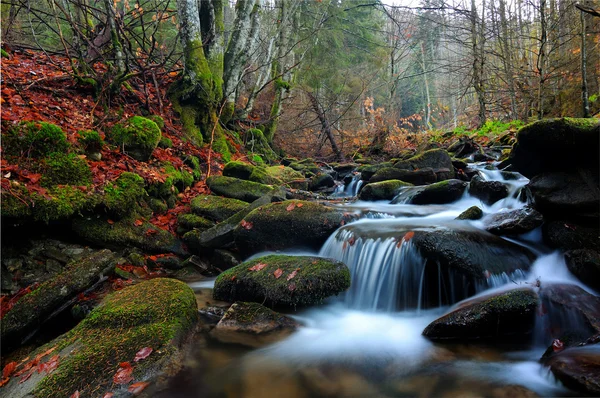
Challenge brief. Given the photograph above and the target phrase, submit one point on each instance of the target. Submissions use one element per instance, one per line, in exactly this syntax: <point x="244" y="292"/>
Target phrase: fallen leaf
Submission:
<point x="278" y="272"/>
<point x="138" y="387"/>
<point x="123" y="375"/>
<point x="408" y="236"/>
<point x="49" y="365"/>
<point x="142" y="354"/>
<point x="75" y="394"/>
<point x="4" y="381"/>
<point x="9" y="369"/>
<point x="293" y="274"/>
<point x="111" y="222"/>
<point x="292" y="287"/>
<point x="233" y="277"/>
<point x="557" y="345"/>
<point x="257" y="267"/>
<point x="290" y="207"/>
<point x="26" y="376"/>
<point x="138" y="223"/>
<point x="299" y="204"/>
<point x="246" y="225"/>
<point x="108" y="395"/>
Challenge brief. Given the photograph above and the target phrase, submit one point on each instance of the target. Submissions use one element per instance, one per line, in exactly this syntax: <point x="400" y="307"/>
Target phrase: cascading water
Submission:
<point x="349" y="190"/>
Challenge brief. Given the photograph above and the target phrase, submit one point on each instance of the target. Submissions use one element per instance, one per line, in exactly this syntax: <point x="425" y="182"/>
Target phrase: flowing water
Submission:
<point x="368" y="341"/>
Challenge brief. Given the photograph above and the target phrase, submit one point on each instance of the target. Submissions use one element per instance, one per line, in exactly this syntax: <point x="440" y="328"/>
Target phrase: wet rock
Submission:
<point x="500" y="317"/>
<point x="557" y="145"/>
<point x="440" y="193"/>
<point x="235" y="188"/>
<point x="321" y="181"/>
<point x="578" y="368"/>
<point x="159" y="313"/>
<point x="585" y="265"/>
<point x="201" y="266"/>
<point x="187" y="222"/>
<point x="279" y="280"/>
<point x="368" y="170"/>
<point x="384" y="190"/>
<point x="211" y="315"/>
<point x="570" y="236"/>
<point x="288" y="224"/>
<point x="513" y="222"/>
<point x="463" y="147"/>
<point x="344" y="169"/>
<point x="459" y="164"/>
<point x="224" y="259"/>
<point x="216" y="208"/>
<point x="36" y="307"/>
<point x="571" y="312"/>
<point x="253" y="325"/>
<point x="434" y="158"/>
<point x="488" y="191"/>
<point x="472" y="213"/>
<point x="416" y="177"/>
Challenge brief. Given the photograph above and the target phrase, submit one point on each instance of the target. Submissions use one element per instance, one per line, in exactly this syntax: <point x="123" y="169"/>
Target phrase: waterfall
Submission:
<point x="351" y="189"/>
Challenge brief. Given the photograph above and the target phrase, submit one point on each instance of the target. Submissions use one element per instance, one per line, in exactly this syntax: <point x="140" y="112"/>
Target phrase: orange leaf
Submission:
<point x="278" y="272"/>
<point x="75" y="394"/>
<point x="142" y="354"/>
<point x="257" y="267"/>
<point x="111" y="222"/>
<point x="9" y="369"/>
<point x="290" y="207"/>
<point x="137" y="223"/>
<point x="138" y="387"/>
<point x="4" y="381"/>
<point x="293" y="274"/>
<point x="108" y="395"/>
<point x="299" y="204"/>
<point x="123" y="375"/>
<point x="246" y="225"/>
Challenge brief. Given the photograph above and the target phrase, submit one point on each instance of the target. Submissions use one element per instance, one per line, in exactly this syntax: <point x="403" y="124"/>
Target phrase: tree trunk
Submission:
<point x="325" y="126"/>
<point x="541" y="60"/>
<point x="507" y="60"/>
<point x="584" y="85"/>
<point x="427" y="94"/>
<point x="478" y="63"/>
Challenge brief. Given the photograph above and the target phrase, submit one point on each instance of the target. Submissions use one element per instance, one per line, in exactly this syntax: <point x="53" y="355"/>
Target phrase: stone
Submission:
<point x="513" y="222"/>
<point x="585" y="265"/>
<point x="440" y="193"/>
<point x="566" y="235"/>
<point x="235" y="188"/>
<point x="472" y="213"/>
<point x="384" y="190"/>
<point x="578" y="368"/>
<point x="434" y="158"/>
<point x="417" y="177"/>
<point x="216" y="208"/>
<point x="489" y="192"/>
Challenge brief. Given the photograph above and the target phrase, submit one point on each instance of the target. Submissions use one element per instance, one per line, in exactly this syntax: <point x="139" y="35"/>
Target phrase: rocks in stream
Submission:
<point x="384" y="190"/>
<point x="488" y="191"/>
<point x="567" y="235"/>
<point x="216" y="208"/>
<point x="578" y="368"/>
<point x="513" y="222"/>
<point x="236" y="188"/>
<point x="279" y="280"/>
<point x="585" y="265"/>
<point x="440" y="193"/>
<point x="472" y="213"/>
<point x="433" y="158"/>
<point x="416" y="177"/>
<point x="503" y="316"/>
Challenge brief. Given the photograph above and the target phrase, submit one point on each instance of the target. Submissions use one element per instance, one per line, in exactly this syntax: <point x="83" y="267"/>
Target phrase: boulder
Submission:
<point x="434" y="158"/>
<point x="235" y="188"/>
<point x="500" y="317"/>
<point x="578" y="368"/>
<point x="557" y="145"/>
<point x="33" y="309"/>
<point x="384" y="190"/>
<point x="216" y="208"/>
<point x="472" y="213"/>
<point x="416" y="177"/>
<point x="279" y="280"/>
<point x="289" y="224"/>
<point x="237" y="169"/>
<point x="440" y="193"/>
<point x="513" y="222"/>
<point x="187" y="222"/>
<point x="252" y="324"/>
<point x="566" y="235"/>
<point x="137" y="136"/>
<point x="368" y="170"/>
<point x="585" y="265"/>
<point x="158" y="314"/>
<point x="321" y="181"/>
<point x="488" y="192"/>
<point x="571" y="312"/>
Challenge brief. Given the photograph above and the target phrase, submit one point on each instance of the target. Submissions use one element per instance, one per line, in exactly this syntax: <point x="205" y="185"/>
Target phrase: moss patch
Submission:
<point x="138" y="136"/>
<point x="215" y="207"/>
<point x="65" y="168"/>
<point x="34" y="139"/>
<point x="176" y="181"/>
<point x="472" y="213"/>
<point x="385" y="190"/>
<point x="122" y="196"/>
<point x="312" y="279"/>
<point x="247" y="191"/>
<point x="91" y="141"/>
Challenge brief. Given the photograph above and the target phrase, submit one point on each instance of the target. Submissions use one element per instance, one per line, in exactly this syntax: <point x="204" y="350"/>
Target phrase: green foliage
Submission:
<point x="121" y="197"/>
<point x="257" y="159"/>
<point x="4" y="53"/>
<point x="593" y="98"/>
<point x="65" y="168"/>
<point x="91" y="141"/>
<point x="35" y="139"/>
<point x="194" y="163"/>
<point x="495" y="127"/>
<point x="176" y="181"/>
<point x="280" y="83"/>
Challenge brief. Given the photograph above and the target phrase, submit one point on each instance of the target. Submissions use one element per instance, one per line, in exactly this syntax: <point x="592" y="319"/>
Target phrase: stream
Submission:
<point x="368" y="341"/>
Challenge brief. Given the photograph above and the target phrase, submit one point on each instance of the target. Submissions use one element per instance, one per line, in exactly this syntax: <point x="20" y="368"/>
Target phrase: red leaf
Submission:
<point x="246" y="225"/>
<point x="9" y="369"/>
<point x="408" y="236"/>
<point x="108" y="395"/>
<point x="4" y="381"/>
<point x="138" y="223"/>
<point x="48" y="366"/>
<point x="557" y="345"/>
<point x="292" y="287"/>
<point x="290" y="207"/>
<point x="257" y="267"/>
<point x="142" y="354"/>
<point x="138" y="387"/>
<point x="278" y="272"/>
<point x="111" y="222"/>
<point x="299" y="204"/>
<point x="26" y="376"/>
<point x="75" y="394"/>
<point x="123" y="375"/>
<point x="293" y="274"/>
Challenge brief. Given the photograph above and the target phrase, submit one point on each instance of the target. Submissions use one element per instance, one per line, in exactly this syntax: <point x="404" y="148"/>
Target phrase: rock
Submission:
<point x="416" y="177"/>
<point x="500" y="317"/>
<point x="216" y="208"/>
<point x="302" y="281"/>
<point x="307" y="167"/>
<point x="573" y="194"/>
<point x="578" y="368"/>
<point x="585" y="265"/>
<point x="252" y="324"/>
<point x="463" y="147"/>
<point x="368" y="170"/>
<point x="288" y="224"/>
<point x="321" y="181"/>
<point x="186" y="222"/>
<point x="230" y="187"/>
<point x="138" y="137"/>
<point x="557" y="145"/>
<point x="384" y="190"/>
<point x="344" y="169"/>
<point x="570" y="236"/>
<point x="472" y="213"/>
<point x="201" y="266"/>
<point x="570" y="309"/>
<point x="237" y="169"/>
<point x="224" y="259"/>
<point x="434" y="158"/>
<point x="488" y="191"/>
<point x="459" y="164"/>
<point x="36" y="307"/>
<point x="211" y="315"/>
<point x="159" y="314"/>
<point x="440" y="193"/>
<point x="513" y="222"/>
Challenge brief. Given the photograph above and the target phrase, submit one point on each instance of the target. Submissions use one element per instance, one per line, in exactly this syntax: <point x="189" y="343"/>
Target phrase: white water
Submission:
<point x="350" y="190"/>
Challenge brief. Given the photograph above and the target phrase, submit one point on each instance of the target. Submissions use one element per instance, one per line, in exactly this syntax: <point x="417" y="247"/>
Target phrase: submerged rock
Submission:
<point x="503" y="316"/>
<point x="253" y="325"/>
<point x="385" y="190"/>
<point x="513" y="222"/>
<point x="279" y="280"/>
<point x="488" y="191"/>
<point x="440" y="193"/>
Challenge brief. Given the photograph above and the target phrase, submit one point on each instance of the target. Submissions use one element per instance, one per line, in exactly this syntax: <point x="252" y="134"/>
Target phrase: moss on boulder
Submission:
<point x="65" y="169"/>
<point x="122" y="197"/>
<point x="384" y="190"/>
<point x="216" y="208"/>
<point x="34" y="139"/>
<point x="301" y="280"/>
<point x="434" y="158"/>
<point x="472" y="213"/>
<point x="235" y="188"/>
<point x="440" y="193"/>
<point x="416" y="177"/>
<point x="175" y="181"/>
<point x="187" y="222"/>
<point x="237" y="169"/>
<point x="138" y="136"/>
<point x="257" y="143"/>
<point x="368" y="170"/>
<point x="321" y="181"/>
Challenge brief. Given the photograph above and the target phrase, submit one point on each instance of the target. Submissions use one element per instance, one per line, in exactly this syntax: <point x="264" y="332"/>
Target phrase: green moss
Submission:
<point x="175" y="182"/>
<point x="35" y="139"/>
<point x="194" y="163"/>
<point x="91" y="141"/>
<point x="220" y="146"/>
<point x="384" y="190"/>
<point x="258" y="144"/>
<point x="138" y="136"/>
<point x="215" y="207"/>
<point x="282" y="84"/>
<point x="160" y="122"/>
<point x="65" y="168"/>
<point x="257" y="159"/>
<point x="122" y="196"/>
<point x="165" y="143"/>
<point x="472" y="213"/>
<point x="187" y="222"/>
<point x="247" y="191"/>
<point x="4" y="53"/>
<point x="157" y="206"/>
<point x="136" y="259"/>
<point x="238" y="169"/>
<point x="157" y="313"/>
<point x="315" y="279"/>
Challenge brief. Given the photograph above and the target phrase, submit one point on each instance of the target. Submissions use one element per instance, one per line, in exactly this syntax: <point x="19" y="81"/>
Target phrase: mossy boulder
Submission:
<point x="34" y="139"/>
<point x="278" y="280"/>
<point x="216" y="208"/>
<point x="585" y="265"/>
<point x="257" y="143"/>
<point x="175" y="181"/>
<point x="472" y="213"/>
<point x="34" y="308"/>
<point x="488" y="192"/>
<point x="440" y="193"/>
<point x="416" y="177"/>
<point x="283" y="225"/>
<point x="513" y="222"/>
<point x="368" y="170"/>
<point x="137" y="136"/>
<point x="159" y="314"/>
<point x="253" y="325"/>
<point x="65" y="169"/>
<point x="92" y="143"/>
<point x="384" y="190"/>
<point x="236" y="188"/>
<point x="237" y="169"/>
<point x="434" y="158"/>
<point x="560" y="145"/>
<point x="186" y="222"/>
<point x="506" y="316"/>
<point x="321" y="181"/>
<point x="308" y="167"/>
<point x="122" y="197"/>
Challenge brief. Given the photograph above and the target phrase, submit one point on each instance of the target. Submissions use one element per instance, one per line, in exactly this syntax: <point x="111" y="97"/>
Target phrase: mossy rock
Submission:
<point x="434" y="158"/>
<point x="235" y="188"/>
<point x="306" y="167"/>
<point x="283" y="225"/>
<point x="237" y="169"/>
<point x="175" y="181"/>
<point x="216" y="208"/>
<point x="303" y="281"/>
<point x="159" y="313"/>
<point x="384" y="190"/>
<point x="91" y="141"/>
<point x="122" y="197"/>
<point x="368" y="170"/>
<point x="160" y="122"/>
<point x="509" y="315"/>
<point x="138" y="136"/>
<point x="165" y="143"/>
<point x="125" y="233"/>
<point x="187" y="222"/>
<point x="321" y="181"/>
<point x="285" y="174"/>
<point x="30" y="311"/>
<point x="65" y="168"/>
<point x="257" y="143"/>
<point x="34" y="139"/>
<point x="157" y="206"/>
<point x="472" y="213"/>
<point x="440" y="193"/>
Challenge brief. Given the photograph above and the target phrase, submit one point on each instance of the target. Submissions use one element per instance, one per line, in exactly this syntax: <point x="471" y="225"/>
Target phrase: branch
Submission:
<point x="588" y="10"/>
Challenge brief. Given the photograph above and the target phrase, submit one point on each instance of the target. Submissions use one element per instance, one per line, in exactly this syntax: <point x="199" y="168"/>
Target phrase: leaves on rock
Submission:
<point x="124" y="374"/>
<point x="138" y="223"/>
<point x="290" y="207"/>
<point x="292" y="274"/>
<point x="278" y="272"/>
<point x="246" y="224"/>
<point x="257" y="267"/>
<point x="557" y="345"/>
<point x="142" y="354"/>
<point x="9" y="369"/>
<point x="138" y="387"/>
<point x="75" y="394"/>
